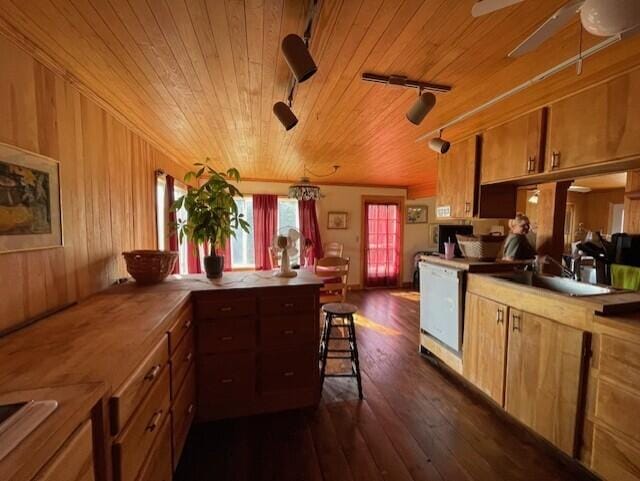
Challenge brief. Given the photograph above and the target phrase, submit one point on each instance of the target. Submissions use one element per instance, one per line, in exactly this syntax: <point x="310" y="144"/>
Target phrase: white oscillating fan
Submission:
<point x="286" y="244"/>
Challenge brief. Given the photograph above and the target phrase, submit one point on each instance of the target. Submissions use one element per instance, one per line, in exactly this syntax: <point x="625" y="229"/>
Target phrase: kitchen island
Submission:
<point x="145" y="358"/>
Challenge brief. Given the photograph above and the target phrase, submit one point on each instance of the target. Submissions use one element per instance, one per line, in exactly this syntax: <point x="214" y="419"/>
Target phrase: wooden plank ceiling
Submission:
<point x="198" y="78"/>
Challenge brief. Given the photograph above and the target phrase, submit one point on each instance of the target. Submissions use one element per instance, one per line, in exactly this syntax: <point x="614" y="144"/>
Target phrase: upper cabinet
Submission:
<point x="598" y="125"/>
<point x="457" y="180"/>
<point x="514" y="149"/>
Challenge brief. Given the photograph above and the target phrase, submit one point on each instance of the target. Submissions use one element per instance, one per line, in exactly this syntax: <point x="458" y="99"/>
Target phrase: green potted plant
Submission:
<point x="212" y="214"/>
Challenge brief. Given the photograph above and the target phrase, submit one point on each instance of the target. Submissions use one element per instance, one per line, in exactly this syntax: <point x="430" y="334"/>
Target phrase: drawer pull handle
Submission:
<point x="190" y="408"/>
<point x="189" y="357"/>
<point x="226" y="338"/>
<point x="187" y="324"/>
<point x="227" y="381"/>
<point x="289" y="305"/>
<point x="225" y="309"/>
<point x="153" y="373"/>
<point x="155" y="420"/>
<point x="289" y="374"/>
<point x="288" y="332"/>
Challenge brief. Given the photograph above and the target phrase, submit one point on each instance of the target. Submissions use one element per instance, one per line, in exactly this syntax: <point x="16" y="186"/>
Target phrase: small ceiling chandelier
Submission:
<point x="304" y="189"/>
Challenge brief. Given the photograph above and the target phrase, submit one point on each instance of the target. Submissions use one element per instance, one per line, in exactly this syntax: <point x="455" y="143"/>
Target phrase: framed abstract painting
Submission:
<point x="30" y="212"/>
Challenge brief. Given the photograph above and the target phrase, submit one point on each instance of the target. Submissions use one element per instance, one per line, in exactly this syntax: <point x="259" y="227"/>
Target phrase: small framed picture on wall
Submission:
<point x="337" y="220"/>
<point x="417" y="214"/>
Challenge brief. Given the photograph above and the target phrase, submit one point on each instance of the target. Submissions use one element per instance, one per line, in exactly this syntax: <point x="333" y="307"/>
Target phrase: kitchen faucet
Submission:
<point x="572" y="273"/>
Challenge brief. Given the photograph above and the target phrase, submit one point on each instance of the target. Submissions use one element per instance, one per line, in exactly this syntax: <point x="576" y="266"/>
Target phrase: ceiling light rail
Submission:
<point x="529" y="83"/>
<point x="401" y="81"/>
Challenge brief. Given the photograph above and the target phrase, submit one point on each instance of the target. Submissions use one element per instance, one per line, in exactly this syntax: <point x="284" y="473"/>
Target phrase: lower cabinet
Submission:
<point x="158" y="466"/>
<point x="485" y="345"/>
<point x="74" y="461"/>
<point x="530" y="365"/>
<point x="544" y="377"/>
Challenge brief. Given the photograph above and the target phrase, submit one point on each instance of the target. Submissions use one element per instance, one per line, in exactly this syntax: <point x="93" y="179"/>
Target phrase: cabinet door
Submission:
<point x="485" y="344"/>
<point x="544" y="376"/>
<point x="457" y="179"/>
<point x="514" y="149"/>
<point x="597" y="125"/>
<point x="74" y="461"/>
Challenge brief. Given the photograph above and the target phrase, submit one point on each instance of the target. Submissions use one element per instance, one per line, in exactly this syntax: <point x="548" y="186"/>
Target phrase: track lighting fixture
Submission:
<point x="296" y="53"/>
<point x="419" y="110"/>
<point x="285" y="115"/>
<point x="439" y="145"/>
<point x="426" y="100"/>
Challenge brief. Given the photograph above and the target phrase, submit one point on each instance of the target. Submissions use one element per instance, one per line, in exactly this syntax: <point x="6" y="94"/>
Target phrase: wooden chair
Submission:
<point x="274" y="258"/>
<point x="334" y="271"/>
<point x="333" y="249"/>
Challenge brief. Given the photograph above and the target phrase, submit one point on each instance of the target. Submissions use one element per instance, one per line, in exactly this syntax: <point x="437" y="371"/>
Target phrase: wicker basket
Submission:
<point x="150" y="267"/>
<point x="483" y="247"/>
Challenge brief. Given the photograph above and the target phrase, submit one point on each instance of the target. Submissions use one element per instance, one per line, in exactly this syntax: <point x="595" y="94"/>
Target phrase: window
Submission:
<point x="162" y="218"/>
<point x="242" y="252"/>
<point x="181" y="215"/>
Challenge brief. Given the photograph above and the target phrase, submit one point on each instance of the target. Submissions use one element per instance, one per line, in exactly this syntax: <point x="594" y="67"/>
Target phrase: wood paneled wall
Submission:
<point x="632" y="204"/>
<point x="107" y="183"/>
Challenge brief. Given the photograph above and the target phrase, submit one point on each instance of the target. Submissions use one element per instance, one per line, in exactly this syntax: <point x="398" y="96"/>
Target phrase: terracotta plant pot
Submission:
<point x="214" y="266"/>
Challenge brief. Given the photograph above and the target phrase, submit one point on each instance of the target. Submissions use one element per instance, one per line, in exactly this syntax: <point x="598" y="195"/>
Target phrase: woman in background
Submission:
<point x="517" y="246"/>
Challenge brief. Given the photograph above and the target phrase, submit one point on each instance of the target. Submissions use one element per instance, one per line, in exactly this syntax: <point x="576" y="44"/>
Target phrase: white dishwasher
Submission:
<point x="442" y="303"/>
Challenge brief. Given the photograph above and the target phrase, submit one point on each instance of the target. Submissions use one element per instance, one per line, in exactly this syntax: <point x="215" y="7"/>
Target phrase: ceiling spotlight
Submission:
<point x="439" y="145"/>
<point x="421" y="107"/>
<point x="297" y="55"/>
<point x="285" y="115"/>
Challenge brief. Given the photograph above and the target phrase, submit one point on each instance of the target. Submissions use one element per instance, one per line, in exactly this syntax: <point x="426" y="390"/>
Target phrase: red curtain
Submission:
<point x="382" y="245"/>
<point x="310" y="229"/>
<point x="173" y="235"/>
<point x="265" y="224"/>
<point x="193" y="258"/>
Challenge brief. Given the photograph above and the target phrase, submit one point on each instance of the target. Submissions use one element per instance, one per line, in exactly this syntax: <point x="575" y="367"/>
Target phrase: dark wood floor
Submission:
<point x="415" y="423"/>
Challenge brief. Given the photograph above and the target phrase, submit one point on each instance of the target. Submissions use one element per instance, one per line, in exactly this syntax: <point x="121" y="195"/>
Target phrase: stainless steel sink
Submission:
<point x="561" y="285"/>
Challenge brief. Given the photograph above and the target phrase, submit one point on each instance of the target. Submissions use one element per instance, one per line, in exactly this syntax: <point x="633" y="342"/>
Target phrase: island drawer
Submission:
<point x="131" y="393"/>
<point x="221" y="307"/>
<point x="131" y="447"/>
<point x="226" y="377"/>
<point x="158" y="466"/>
<point x="287" y="331"/>
<point x="180" y="327"/>
<point x="74" y="461"/>
<point x="225" y="335"/>
<point x="181" y="361"/>
<point x="277" y="305"/>
<point x="183" y="413"/>
<point x="288" y="369"/>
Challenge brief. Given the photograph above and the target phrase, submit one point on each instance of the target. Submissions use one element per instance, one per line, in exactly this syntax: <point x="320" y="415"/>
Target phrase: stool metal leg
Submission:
<point x="355" y="358"/>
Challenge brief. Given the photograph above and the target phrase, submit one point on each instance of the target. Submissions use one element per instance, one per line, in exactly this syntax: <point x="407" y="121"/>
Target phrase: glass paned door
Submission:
<point x="382" y="245"/>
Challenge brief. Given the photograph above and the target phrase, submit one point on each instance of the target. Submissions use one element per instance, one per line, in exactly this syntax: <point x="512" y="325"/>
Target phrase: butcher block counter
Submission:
<point x="474" y="266"/>
<point x="132" y="367"/>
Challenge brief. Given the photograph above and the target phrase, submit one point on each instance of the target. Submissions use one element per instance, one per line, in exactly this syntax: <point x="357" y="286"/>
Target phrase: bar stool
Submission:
<point x="344" y="312"/>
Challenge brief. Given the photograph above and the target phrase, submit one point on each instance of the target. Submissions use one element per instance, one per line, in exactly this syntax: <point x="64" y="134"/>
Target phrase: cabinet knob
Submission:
<point x="189" y="357"/>
<point x="555" y="159"/>
<point x="499" y="316"/>
<point x="531" y="164"/>
<point x="226" y="338"/>
<point x="288" y="305"/>
<point x="515" y="318"/>
<point x="225" y="309"/>
<point x="187" y="324"/>
<point x="153" y="373"/>
<point x="226" y="381"/>
<point x="289" y="374"/>
<point x="288" y="332"/>
<point x="190" y="408"/>
<point x="467" y="207"/>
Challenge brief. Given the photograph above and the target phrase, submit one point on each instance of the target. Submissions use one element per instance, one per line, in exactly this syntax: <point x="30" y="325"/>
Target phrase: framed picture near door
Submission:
<point x="30" y="213"/>
<point x="337" y="220"/>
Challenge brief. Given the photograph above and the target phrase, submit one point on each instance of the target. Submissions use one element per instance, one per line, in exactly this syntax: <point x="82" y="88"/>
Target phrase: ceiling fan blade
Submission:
<point x="548" y="29"/>
<point x="489" y="6"/>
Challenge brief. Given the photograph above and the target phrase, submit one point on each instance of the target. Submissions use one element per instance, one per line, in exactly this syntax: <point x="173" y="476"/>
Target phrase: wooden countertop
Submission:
<point x="474" y="265"/>
<point x="100" y="342"/>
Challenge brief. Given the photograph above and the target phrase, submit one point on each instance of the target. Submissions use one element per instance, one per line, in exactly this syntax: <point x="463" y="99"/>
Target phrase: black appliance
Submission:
<point x="627" y="249"/>
<point x="448" y="232"/>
